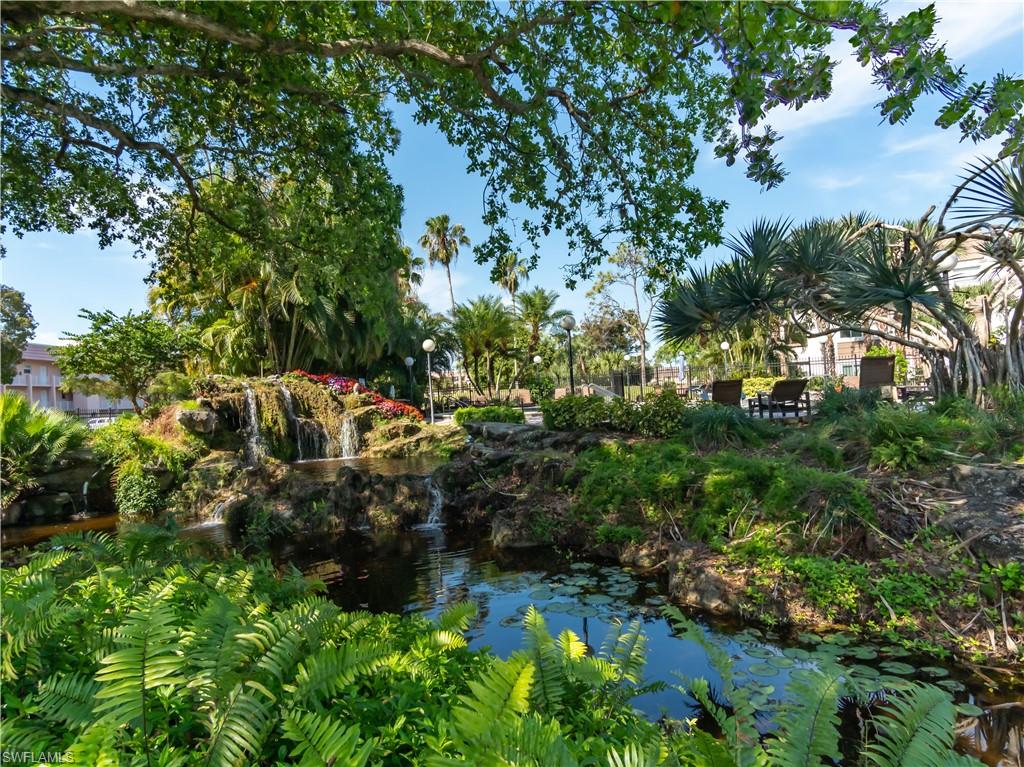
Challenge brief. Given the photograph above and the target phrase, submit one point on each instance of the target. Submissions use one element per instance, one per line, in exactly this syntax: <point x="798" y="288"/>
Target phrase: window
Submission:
<point x="850" y="370"/>
<point x="852" y="334"/>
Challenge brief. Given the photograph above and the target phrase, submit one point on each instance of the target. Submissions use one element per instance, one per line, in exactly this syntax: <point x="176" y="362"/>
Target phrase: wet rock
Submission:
<point x="513" y="433"/>
<point x="12" y="514"/>
<point x="505" y="534"/>
<point x="48" y="507"/>
<point x="703" y="589"/>
<point x="199" y="421"/>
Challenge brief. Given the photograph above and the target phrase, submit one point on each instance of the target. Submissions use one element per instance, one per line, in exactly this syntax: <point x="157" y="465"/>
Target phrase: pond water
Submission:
<point x="427" y="570"/>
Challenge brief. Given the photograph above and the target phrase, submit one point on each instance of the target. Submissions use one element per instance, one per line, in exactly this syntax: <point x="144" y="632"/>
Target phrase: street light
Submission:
<point x="946" y="265"/>
<point x="537" y="359"/>
<point x="409" y="361"/>
<point x="568" y="323"/>
<point x="428" y="347"/>
<point x="724" y="346"/>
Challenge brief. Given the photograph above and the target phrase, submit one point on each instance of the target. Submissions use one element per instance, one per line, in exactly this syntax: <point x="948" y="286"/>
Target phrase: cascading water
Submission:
<point x="348" y="439"/>
<point x="255" y="447"/>
<point x="435" y="502"/>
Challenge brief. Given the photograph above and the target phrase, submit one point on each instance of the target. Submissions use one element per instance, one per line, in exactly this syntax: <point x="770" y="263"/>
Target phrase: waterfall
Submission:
<point x="293" y="424"/>
<point x="255" y="447"/>
<point x="217" y="517"/>
<point x="348" y="440"/>
<point x="435" y="501"/>
<point x="85" y="495"/>
<point x="312" y="439"/>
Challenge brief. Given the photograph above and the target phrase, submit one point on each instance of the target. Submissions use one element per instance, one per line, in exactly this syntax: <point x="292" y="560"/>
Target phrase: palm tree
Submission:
<point x="441" y="240"/>
<point x="484" y="328"/>
<point x="509" y="272"/>
<point x="537" y="311"/>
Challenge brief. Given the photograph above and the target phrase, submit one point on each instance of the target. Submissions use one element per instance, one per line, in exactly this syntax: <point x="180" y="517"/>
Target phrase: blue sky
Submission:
<point x="839" y="158"/>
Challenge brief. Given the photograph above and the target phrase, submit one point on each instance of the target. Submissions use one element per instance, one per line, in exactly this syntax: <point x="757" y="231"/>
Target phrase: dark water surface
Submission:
<point x="428" y="569"/>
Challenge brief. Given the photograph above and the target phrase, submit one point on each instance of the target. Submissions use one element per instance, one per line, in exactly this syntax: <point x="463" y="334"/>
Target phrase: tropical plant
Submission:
<point x="491" y="413"/>
<point x="486" y="332"/>
<point x="536" y="310"/>
<point x="33" y="439"/>
<point x="442" y="240"/>
<point x="510" y="271"/>
<point x="137" y="646"/>
<point x="16" y="328"/>
<point x="882" y="279"/>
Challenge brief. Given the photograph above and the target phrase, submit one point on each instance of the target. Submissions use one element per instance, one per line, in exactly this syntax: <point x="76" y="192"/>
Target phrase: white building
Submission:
<point x="39" y="379"/>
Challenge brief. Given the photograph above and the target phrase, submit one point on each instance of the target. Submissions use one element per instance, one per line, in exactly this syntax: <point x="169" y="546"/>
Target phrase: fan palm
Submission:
<point x="33" y="439"/>
<point x="442" y="240"/>
<point x="536" y="310"/>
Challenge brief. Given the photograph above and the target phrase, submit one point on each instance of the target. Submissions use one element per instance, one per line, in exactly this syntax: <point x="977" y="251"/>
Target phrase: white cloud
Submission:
<point x="964" y="27"/>
<point x="831" y="183"/>
<point x="434" y="290"/>
<point x="928" y="142"/>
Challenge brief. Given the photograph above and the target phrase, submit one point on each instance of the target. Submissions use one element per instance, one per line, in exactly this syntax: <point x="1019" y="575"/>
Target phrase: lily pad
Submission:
<point x="581" y="566"/>
<point x="510" y="620"/>
<point x="598" y="599"/>
<point x="762" y="669"/>
<point x="969" y="709"/>
<point x="951" y="684"/>
<point x="896" y="667"/>
<point x="796" y="653"/>
<point x="583" y="611"/>
<point x="935" y="672"/>
<point x="558" y="607"/>
<point x="567" y="591"/>
<point x="758" y="652"/>
<point x="863" y="653"/>
<point x="541" y="594"/>
<point x="781" y="661"/>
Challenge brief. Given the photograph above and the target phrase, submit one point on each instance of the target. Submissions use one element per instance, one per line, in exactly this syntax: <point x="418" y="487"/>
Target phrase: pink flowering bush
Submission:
<point x="387" y="409"/>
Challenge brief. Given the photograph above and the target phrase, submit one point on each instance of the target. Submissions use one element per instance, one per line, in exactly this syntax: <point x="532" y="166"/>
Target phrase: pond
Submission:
<point x="428" y="569"/>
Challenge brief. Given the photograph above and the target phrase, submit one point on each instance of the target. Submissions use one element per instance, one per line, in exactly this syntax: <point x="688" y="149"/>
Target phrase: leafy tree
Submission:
<point x="588" y="115"/>
<point x="441" y="240"/>
<point x="16" y="328"/>
<point x="119" y="356"/>
<point x="632" y="272"/>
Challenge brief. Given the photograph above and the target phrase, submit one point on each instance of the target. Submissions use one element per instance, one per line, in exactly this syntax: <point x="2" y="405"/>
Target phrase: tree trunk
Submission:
<point x="828" y="353"/>
<point x="451" y="292"/>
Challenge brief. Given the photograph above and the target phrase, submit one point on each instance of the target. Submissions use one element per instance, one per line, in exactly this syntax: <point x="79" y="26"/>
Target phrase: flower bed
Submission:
<point x="388" y="409"/>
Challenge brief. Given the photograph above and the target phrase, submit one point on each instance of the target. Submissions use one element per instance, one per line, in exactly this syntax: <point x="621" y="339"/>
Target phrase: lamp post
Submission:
<point x="946" y="265"/>
<point x="724" y="346"/>
<point x="408" y="365"/>
<point x="568" y="323"/>
<point x="537" y="359"/>
<point x="428" y="347"/>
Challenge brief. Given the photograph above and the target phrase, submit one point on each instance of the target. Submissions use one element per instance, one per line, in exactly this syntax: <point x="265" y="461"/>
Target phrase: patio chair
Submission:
<point x="727" y="392"/>
<point x="785" y="396"/>
<point x="876" y="372"/>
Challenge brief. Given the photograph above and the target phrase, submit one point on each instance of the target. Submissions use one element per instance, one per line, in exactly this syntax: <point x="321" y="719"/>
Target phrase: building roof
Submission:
<point x="37" y="353"/>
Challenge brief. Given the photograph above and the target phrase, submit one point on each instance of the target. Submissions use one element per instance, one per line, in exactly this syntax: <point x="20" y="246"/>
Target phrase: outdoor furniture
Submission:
<point x="784" y="396"/>
<point x="876" y="372"/>
<point x="727" y="392"/>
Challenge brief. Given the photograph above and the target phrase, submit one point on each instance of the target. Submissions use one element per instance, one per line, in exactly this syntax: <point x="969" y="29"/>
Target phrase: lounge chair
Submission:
<point x="727" y="392"/>
<point x="784" y="396"/>
<point x="876" y="372"/>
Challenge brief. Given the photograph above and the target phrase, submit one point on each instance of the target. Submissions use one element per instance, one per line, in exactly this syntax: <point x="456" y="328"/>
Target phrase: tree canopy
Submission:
<point x="119" y="356"/>
<point x="16" y="328"/>
<point x="582" y="117"/>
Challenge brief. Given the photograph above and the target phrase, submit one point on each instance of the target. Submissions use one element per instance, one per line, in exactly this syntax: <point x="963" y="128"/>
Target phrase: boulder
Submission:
<point x="505" y="534"/>
<point x="48" y="507"/>
<point x="199" y="421"/>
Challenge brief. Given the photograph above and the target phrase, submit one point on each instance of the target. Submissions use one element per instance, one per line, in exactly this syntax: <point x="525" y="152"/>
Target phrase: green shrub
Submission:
<point x="711" y="425"/>
<point x="574" y="412"/>
<point x="618" y="534"/>
<point x="902" y="367"/>
<point x="902" y="438"/>
<point x="814" y="443"/>
<point x="32" y="440"/>
<point x="835" y="405"/>
<point x="755" y="384"/>
<point x="137" y="493"/>
<point x="132" y="438"/>
<point x="492" y="413"/>
<point x="168" y="387"/>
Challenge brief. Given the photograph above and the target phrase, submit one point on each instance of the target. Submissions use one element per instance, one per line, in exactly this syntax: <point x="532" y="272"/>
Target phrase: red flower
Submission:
<point x="388" y="408"/>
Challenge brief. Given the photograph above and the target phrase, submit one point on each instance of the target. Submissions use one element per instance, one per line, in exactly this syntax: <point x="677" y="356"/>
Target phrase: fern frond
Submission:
<point x="539" y="648"/>
<point x="97" y="746"/>
<point x="636" y="755"/>
<point x="278" y="643"/>
<point x="333" y="668"/>
<point x="149" y="659"/>
<point x="457" y="617"/>
<point x="809" y="725"/>
<point x="501" y="692"/>
<point x="323" y="741"/>
<point x="626" y="647"/>
<point x="214" y="648"/>
<point x="916" y="730"/>
<point x="68" y="698"/>
<point x="448" y="639"/>
<point x="570" y="645"/>
<point x="239" y="726"/>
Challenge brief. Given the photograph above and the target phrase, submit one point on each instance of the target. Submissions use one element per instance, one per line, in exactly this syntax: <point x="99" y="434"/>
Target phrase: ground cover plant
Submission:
<point x="498" y="413"/>
<point x="142" y="650"/>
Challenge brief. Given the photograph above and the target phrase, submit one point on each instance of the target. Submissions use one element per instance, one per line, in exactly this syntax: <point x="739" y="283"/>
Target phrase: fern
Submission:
<point x="240" y="725"/>
<point x="809" y="725"/>
<point x="330" y="670"/>
<point x="636" y="755"/>
<point x="502" y="692"/>
<point x="626" y="648"/>
<point x="916" y="730"/>
<point x="96" y="746"/>
<point x="457" y="617"/>
<point x="322" y="741"/>
<point x="68" y="698"/>
<point x="149" y="659"/>
<point x="540" y="649"/>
